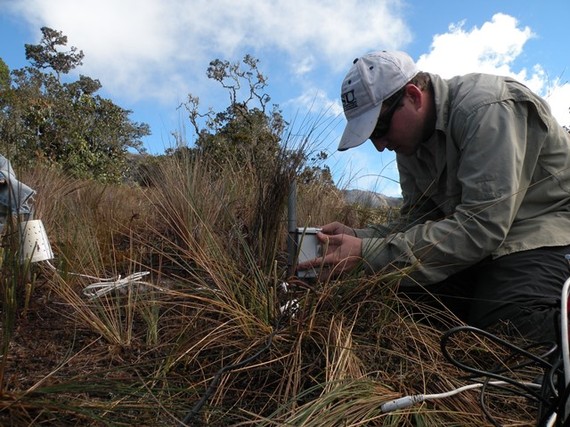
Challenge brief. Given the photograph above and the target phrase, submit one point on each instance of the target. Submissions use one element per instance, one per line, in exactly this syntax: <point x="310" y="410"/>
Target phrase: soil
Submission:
<point x="50" y="358"/>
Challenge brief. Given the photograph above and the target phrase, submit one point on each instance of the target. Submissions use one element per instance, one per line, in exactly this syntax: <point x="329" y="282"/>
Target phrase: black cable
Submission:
<point x="519" y="350"/>
<point x="547" y="395"/>
<point x="549" y="389"/>
<point x="563" y="415"/>
<point x="484" y="405"/>
<point x="496" y="374"/>
<point x="191" y="416"/>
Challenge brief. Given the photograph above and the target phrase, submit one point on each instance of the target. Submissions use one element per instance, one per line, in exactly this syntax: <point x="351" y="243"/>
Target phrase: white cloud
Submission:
<point x="159" y="48"/>
<point x="316" y="101"/>
<point x="304" y="65"/>
<point x="558" y="96"/>
<point x="493" y="48"/>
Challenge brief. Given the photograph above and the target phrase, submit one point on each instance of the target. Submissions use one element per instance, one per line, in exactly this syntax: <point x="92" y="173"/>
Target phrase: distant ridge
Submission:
<point x="371" y="199"/>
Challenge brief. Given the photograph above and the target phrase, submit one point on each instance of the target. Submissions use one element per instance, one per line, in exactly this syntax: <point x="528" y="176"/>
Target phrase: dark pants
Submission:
<point x="516" y="294"/>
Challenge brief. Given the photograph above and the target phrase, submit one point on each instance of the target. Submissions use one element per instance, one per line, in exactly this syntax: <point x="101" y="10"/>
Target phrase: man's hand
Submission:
<point x="337" y="228"/>
<point x="342" y="251"/>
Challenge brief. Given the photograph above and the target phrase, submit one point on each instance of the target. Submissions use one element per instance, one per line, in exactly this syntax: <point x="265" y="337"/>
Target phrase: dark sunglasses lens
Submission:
<point x="383" y="123"/>
<point x="381" y="129"/>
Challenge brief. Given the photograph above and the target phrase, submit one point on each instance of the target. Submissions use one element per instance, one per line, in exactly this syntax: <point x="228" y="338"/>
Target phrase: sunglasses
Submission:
<point x="383" y="124"/>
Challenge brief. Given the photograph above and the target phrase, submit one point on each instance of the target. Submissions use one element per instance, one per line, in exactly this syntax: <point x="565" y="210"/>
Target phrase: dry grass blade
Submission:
<point x="206" y="335"/>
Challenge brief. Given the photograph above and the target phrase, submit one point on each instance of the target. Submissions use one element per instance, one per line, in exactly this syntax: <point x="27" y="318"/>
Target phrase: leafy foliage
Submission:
<point x="243" y="134"/>
<point x="46" y="54"/>
<point x="64" y="124"/>
<point x="249" y="138"/>
<point x="247" y="134"/>
<point x="4" y="76"/>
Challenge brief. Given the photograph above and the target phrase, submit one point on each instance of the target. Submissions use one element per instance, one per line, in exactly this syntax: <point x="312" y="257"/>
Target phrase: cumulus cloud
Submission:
<point x="558" y="96"/>
<point x="147" y="48"/>
<point x="494" y="48"/>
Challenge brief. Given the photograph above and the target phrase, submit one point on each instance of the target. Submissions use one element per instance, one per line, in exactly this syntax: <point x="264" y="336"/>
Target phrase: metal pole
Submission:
<point x="292" y="226"/>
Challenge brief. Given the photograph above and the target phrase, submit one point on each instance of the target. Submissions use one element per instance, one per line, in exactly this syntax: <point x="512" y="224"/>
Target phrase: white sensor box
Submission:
<point x="309" y="247"/>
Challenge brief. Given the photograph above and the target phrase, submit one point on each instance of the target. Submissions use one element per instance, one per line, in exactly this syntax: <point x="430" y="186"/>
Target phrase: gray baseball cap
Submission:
<point x="372" y="79"/>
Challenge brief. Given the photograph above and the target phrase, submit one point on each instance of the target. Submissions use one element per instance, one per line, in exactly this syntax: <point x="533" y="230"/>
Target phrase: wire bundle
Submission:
<point x="545" y="390"/>
<point x="551" y="392"/>
<point x="96" y="290"/>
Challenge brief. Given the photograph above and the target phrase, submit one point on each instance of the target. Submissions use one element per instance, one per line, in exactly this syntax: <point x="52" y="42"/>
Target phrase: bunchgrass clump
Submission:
<point x="212" y="336"/>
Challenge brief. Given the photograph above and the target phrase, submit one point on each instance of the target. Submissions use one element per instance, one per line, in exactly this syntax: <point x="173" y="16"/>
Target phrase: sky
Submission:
<point x="150" y="54"/>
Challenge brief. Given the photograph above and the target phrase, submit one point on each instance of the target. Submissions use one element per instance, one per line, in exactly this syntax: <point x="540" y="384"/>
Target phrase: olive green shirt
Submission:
<point x="492" y="180"/>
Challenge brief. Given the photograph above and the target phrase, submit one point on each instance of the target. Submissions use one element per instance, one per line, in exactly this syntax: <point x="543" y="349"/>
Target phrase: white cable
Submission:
<point x="407" y="401"/>
<point x="99" y="289"/>
<point x="551" y="420"/>
<point x="564" y="336"/>
<point x="564" y="331"/>
<point x="104" y="286"/>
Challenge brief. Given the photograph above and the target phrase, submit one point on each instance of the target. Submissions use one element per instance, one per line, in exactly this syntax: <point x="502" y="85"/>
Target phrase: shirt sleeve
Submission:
<point x="495" y="168"/>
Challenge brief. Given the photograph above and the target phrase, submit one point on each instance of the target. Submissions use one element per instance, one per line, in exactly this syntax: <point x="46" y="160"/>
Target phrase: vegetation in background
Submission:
<point x="63" y="124"/>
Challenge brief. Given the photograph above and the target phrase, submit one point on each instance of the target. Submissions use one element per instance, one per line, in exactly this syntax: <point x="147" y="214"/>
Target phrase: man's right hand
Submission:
<point x="343" y="251"/>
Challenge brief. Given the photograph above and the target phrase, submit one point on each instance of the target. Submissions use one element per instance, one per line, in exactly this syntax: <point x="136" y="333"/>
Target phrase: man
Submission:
<point x="485" y="177"/>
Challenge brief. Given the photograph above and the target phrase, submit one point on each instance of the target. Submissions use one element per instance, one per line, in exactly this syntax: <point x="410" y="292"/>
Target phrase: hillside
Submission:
<point x="371" y="199"/>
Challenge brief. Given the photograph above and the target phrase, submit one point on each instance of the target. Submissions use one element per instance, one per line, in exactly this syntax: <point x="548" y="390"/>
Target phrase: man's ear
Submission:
<point x="415" y="94"/>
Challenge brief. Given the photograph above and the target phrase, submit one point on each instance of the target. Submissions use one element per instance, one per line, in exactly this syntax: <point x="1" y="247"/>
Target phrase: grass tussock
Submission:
<point x="207" y="338"/>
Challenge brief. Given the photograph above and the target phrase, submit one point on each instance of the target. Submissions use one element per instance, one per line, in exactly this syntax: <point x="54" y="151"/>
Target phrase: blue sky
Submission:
<point x="149" y="54"/>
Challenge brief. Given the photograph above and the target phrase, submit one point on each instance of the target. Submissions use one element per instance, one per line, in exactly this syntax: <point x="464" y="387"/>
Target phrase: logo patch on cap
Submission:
<point x="349" y="100"/>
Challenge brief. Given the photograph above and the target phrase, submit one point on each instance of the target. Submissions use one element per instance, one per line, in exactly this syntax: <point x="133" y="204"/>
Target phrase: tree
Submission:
<point x="247" y="134"/>
<point x="46" y="54"/>
<point x="65" y="124"/>
<point x="4" y="76"/>
<point x="244" y="134"/>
